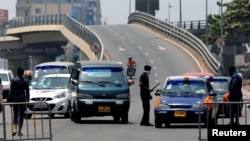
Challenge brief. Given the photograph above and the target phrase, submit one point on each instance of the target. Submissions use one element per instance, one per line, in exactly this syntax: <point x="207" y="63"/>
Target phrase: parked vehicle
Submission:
<point x="52" y="90"/>
<point x="50" y="68"/>
<point x="99" y="88"/>
<point x="181" y="101"/>
<point x="6" y="77"/>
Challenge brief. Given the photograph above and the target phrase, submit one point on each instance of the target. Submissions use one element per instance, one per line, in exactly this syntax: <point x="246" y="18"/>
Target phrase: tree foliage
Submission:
<point x="236" y="16"/>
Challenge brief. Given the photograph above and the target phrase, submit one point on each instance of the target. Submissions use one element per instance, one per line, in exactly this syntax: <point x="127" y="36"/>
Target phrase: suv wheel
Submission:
<point x="116" y="118"/>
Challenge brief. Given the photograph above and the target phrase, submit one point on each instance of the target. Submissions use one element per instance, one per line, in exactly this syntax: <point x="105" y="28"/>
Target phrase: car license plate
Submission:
<point x="103" y="109"/>
<point x="40" y="105"/>
<point x="179" y="113"/>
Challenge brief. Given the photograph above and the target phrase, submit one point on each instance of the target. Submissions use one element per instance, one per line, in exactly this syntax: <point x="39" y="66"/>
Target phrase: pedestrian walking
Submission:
<point x="235" y="95"/>
<point x="145" y="95"/>
<point x="19" y="92"/>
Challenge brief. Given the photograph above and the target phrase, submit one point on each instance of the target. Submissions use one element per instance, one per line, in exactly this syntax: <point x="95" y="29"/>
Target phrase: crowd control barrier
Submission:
<point x="37" y="127"/>
<point x="222" y="119"/>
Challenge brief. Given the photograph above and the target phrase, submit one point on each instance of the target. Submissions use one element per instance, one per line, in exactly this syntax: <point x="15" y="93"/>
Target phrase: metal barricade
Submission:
<point x="223" y="111"/>
<point x="35" y="127"/>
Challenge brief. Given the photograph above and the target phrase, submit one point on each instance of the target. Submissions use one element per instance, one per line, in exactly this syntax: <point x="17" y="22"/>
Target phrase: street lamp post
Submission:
<point x="180" y="16"/>
<point x="129" y="7"/>
<point x="169" y="6"/>
<point x="148" y="6"/>
<point x="206" y="26"/>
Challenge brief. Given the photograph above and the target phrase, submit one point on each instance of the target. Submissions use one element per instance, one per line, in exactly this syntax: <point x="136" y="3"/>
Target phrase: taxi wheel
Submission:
<point x="124" y="118"/>
<point x="158" y="124"/>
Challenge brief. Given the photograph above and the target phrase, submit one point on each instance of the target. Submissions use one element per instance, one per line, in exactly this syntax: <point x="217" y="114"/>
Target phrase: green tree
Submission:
<point x="235" y="17"/>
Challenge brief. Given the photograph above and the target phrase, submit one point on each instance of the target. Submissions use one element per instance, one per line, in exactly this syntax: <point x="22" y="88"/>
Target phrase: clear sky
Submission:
<point x="117" y="11"/>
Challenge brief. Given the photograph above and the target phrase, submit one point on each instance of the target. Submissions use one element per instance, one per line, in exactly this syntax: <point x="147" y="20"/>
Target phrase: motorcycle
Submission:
<point x="130" y="72"/>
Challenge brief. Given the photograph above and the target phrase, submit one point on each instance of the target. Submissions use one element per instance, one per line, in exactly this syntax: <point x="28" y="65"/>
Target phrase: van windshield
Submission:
<point x="98" y="74"/>
<point x="49" y="69"/>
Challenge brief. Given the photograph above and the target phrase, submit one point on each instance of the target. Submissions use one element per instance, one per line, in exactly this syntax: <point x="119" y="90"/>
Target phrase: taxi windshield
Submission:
<point x="185" y="87"/>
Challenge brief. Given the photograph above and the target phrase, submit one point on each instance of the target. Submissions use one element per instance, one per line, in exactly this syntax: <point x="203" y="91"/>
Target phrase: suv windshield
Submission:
<point x="99" y="74"/>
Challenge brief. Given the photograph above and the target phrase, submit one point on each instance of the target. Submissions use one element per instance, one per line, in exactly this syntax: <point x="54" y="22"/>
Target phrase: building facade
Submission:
<point x="87" y="12"/>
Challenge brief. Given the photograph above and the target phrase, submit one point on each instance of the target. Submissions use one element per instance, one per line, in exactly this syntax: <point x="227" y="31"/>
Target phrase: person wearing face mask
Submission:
<point x="235" y="95"/>
<point x="145" y="95"/>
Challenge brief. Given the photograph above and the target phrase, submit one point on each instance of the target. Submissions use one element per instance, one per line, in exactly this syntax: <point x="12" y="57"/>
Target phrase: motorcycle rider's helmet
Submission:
<point x="129" y="58"/>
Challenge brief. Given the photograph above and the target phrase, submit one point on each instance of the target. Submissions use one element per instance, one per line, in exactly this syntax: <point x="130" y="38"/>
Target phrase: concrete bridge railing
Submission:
<point x="178" y="33"/>
<point x="71" y="24"/>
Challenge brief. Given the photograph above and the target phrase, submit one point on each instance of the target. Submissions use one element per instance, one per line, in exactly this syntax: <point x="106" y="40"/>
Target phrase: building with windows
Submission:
<point x="87" y="12"/>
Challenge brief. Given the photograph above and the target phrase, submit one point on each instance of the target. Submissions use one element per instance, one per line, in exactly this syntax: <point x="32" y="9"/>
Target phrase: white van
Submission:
<point x="50" y="68"/>
<point x="6" y="77"/>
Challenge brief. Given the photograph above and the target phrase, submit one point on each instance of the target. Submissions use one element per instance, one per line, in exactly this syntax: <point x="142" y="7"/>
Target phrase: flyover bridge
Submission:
<point x="66" y="31"/>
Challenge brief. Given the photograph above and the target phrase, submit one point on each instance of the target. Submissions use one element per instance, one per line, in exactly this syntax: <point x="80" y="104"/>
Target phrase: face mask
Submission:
<point x="148" y="72"/>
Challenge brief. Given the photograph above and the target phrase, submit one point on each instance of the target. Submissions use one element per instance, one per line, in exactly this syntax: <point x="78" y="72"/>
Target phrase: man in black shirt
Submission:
<point x="19" y="93"/>
<point x="145" y="95"/>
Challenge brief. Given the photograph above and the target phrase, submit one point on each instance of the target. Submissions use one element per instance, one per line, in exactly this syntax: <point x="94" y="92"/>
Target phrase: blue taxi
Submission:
<point x="185" y="99"/>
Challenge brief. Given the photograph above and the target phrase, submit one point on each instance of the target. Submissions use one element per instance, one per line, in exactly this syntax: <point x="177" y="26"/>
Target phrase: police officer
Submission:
<point x="19" y="93"/>
<point x="235" y="95"/>
<point x="145" y="95"/>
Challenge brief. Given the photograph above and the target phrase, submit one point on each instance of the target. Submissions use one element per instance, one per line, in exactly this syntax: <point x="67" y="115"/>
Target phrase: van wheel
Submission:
<point x="116" y="118"/>
<point x="77" y="117"/>
<point x="124" y="118"/>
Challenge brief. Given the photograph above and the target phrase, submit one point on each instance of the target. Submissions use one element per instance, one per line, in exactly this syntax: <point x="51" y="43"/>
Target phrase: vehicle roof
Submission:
<point x="57" y="75"/>
<point x="183" y="77"/>
<point x="5" y="71"/>
<point x="198" y="74"/>
<point x="55" y="63"/>
<point x="218" y="77"/>
<point x="101" y="63"/>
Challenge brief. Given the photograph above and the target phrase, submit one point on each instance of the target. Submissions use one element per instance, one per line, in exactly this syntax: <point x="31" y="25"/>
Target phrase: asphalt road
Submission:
<point x="166" y="58"/>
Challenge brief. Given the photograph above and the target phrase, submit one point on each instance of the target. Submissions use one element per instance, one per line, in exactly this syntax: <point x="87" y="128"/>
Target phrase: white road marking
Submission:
<point x="140" y="47"/>
<point x="152" y="61"/>
<point x="146" y="54"/>
<point x="121" y="49"/>
<point x="161" y="48"/>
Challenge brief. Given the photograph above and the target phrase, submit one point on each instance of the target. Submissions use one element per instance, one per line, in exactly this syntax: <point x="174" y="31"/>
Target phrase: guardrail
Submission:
<point x="178" y="33"/>
<point x="192" y="25"/>
<point x="37" y="128"/>
<point x="71" y="24"/>
<point x="222" y="120"/>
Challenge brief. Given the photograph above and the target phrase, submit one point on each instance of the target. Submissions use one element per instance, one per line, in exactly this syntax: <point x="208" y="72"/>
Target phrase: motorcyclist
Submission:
<point x="131" y="64"/>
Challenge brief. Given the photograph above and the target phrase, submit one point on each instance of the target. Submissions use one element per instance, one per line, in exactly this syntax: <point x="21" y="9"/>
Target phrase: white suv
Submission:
<point x="6" y="77"/>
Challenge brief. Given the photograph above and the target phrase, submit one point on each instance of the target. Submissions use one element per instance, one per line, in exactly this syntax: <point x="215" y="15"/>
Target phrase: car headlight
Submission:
<point x="199" y="105"/>
<point x="84" y="96"/>
<point x="123" y="96"/>
<point x="60" y="95"/>
<point x="163" y="106"/>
